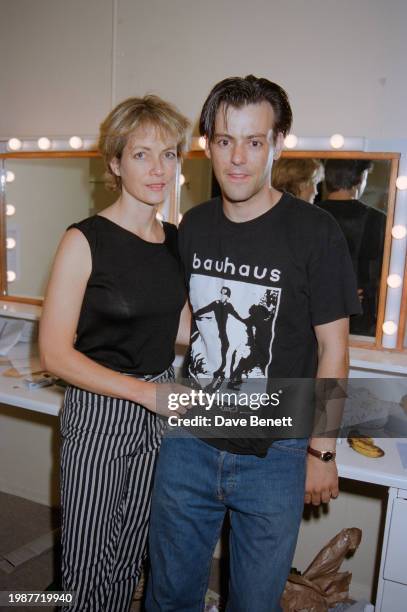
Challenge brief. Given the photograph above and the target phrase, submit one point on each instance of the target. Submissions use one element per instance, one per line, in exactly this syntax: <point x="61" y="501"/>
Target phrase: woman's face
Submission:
<point x="148" y="165"/>
<point x="309" y="189"/>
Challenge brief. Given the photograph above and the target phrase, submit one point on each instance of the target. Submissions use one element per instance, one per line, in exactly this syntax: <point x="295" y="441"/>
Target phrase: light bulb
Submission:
<point x="389" y="328"/>
<point x="10" y="210"/>
<point x="202" y="142"/>
<point x="291" y="141"/>
<point x="399" y="231"/>
<point x="11" y="276"/>
<point x="10" y="176"/>
<point x="44" y="143"/>
<point x="401" y="182"/>
<point x="337" y="141"/>
<point x="10" y="243"/>
<point x="394" y="281"/>
<point x="75" y="142"/>
<point x="14" y="144"/>
<point x="181" y="179"/>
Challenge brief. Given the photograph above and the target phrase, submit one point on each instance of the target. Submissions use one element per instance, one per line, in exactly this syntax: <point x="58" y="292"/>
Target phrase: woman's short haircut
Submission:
<point x="288" y="174"/>
<point x="130" y="114"/>
<point x="238" y="92"/>
<point x="344" y="173"/>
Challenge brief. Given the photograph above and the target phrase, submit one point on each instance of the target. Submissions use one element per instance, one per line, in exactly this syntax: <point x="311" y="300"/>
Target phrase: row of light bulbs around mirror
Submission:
<point x="77" y="143"/>
<point x="336" y="141"/>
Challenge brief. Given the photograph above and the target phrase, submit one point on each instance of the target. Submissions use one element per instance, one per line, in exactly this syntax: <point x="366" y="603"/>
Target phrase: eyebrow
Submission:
<point x="260" y="135"/>
<point x="136" y="146"/>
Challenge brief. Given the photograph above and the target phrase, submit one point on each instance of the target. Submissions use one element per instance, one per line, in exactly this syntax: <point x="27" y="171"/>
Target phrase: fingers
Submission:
<point x="316" y="498"/>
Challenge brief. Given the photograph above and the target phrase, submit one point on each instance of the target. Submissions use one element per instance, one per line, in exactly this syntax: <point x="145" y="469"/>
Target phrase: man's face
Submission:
<point x="224" y="296"/>
<point x="242" y="150"/>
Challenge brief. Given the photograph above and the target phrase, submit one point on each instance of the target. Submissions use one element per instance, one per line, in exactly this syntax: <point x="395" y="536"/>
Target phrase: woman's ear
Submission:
<point x="115" y="166"/>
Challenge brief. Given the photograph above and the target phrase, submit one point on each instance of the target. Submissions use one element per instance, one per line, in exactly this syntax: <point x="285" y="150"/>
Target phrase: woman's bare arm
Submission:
<point x="62" y="306"/>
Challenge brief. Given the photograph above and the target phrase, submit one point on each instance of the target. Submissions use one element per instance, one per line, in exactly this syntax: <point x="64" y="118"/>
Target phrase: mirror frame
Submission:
<point x="356" y="341"/>
<point x="173" y="212"/>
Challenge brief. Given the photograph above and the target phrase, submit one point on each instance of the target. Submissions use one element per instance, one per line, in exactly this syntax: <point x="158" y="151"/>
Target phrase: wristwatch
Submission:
<point x="325" y="456"/>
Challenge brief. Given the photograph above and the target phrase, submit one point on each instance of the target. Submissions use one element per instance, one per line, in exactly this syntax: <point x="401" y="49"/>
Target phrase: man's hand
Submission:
<point x="321" y="483"/>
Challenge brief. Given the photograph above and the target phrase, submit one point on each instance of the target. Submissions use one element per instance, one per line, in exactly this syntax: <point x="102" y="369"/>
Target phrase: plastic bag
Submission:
<point x="322" y="586"/>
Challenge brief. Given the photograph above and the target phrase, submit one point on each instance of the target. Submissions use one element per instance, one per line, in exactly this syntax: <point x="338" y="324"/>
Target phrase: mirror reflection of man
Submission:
<point x="364" y="229"/>
<point x="295" y="253"/>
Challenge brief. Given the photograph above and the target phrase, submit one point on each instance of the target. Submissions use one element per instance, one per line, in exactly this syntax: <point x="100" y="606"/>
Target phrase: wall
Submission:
<point x="55" y="69"/>
<point x="342" y="61"/>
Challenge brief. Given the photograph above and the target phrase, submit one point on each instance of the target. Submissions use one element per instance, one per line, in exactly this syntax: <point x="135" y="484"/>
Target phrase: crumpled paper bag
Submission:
<point x="322" y="586"/>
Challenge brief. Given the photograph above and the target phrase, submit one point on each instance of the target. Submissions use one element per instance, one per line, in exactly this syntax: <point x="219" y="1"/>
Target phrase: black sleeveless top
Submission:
<point x="132" y="303"/>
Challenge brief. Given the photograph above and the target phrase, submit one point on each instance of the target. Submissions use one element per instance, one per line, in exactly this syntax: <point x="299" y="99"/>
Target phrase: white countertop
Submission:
<point x="386" y="471"/>
<point x="14" y="392"/>
<point x="17" y="310"/>
<point x="390" y="362"/>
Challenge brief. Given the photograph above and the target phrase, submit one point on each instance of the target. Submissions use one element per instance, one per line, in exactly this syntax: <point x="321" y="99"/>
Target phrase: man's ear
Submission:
<point x="207" y="149"/>
<point x="115" y="166"/>
<point x="278" y="147"/>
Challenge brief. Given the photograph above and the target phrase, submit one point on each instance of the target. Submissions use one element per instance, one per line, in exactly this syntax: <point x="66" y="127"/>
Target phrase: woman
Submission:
<point x="298" y="176"/>
<point x="109" y="326"/>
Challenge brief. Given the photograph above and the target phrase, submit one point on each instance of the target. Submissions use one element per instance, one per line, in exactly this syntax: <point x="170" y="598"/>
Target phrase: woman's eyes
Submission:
<point x="143" y="155"/>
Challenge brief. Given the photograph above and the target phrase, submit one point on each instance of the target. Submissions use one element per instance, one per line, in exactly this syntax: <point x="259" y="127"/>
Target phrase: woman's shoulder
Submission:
<point x="85" y="224"/>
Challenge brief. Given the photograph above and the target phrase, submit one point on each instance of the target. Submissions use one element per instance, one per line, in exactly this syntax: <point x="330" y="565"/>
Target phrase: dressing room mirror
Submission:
<point x="42" y="195"/>
<point x="366" y="224"/>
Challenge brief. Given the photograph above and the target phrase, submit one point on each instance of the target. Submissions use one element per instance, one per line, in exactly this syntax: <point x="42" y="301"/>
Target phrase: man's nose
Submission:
<point x="238" y="154"/>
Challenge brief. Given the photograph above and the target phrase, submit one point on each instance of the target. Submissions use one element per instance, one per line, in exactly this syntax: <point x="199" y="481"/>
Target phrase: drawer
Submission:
<point x="394" y="597"/>
<point x="395" y="568"/>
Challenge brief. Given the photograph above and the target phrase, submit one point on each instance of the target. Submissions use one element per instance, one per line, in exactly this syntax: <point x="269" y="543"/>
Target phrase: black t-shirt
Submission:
<point x="364" y="229"/>
<point x="257" y="289"/>
<point x="132" y="303"/>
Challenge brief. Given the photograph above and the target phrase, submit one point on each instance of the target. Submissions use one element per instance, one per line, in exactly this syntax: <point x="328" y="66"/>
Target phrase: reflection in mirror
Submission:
<point x="355" y="192"/>
<point x="47" y="195"/>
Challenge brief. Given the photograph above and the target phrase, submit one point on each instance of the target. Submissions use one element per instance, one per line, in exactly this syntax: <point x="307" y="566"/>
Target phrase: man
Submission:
<point x="364" y="228"/>
<point x="278" y="253"/>
<point x="221" y="309"/>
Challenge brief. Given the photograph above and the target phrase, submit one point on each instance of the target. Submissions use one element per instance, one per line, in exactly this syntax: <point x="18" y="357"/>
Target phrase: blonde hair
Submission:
<point x="127" y="117"/>
<point x="288" y="174"/>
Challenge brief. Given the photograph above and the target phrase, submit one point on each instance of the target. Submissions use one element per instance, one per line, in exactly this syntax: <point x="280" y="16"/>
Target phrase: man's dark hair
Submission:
<point x="345" y="173"/>
<point x="226" y="290"/>
<point x="237" y="92"/>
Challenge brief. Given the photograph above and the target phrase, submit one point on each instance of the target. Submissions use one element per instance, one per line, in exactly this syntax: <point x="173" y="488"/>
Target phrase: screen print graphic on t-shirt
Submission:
<point x="234" y="322"/>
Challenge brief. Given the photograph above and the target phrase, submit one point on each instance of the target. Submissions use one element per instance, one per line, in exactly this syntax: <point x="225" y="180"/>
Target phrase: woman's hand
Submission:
<point x="165" y="399"/>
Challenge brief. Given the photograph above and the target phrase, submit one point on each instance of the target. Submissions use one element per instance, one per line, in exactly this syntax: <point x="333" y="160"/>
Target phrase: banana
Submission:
<point x="365" y="446"/>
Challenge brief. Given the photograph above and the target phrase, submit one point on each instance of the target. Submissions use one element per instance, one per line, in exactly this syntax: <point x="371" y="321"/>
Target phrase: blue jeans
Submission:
<point x="195" y="485"/>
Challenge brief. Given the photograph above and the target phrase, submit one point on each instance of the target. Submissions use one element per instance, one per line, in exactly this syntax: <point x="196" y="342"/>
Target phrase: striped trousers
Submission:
<point x="109" y="451"/>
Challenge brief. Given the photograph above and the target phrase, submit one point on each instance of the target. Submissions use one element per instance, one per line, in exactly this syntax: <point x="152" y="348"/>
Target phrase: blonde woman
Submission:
<point x="298" y="176"/>
<point x="109" y="325"/>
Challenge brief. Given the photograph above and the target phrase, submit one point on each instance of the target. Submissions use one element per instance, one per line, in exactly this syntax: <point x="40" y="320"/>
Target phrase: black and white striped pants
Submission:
<point x="109" y="450"/>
